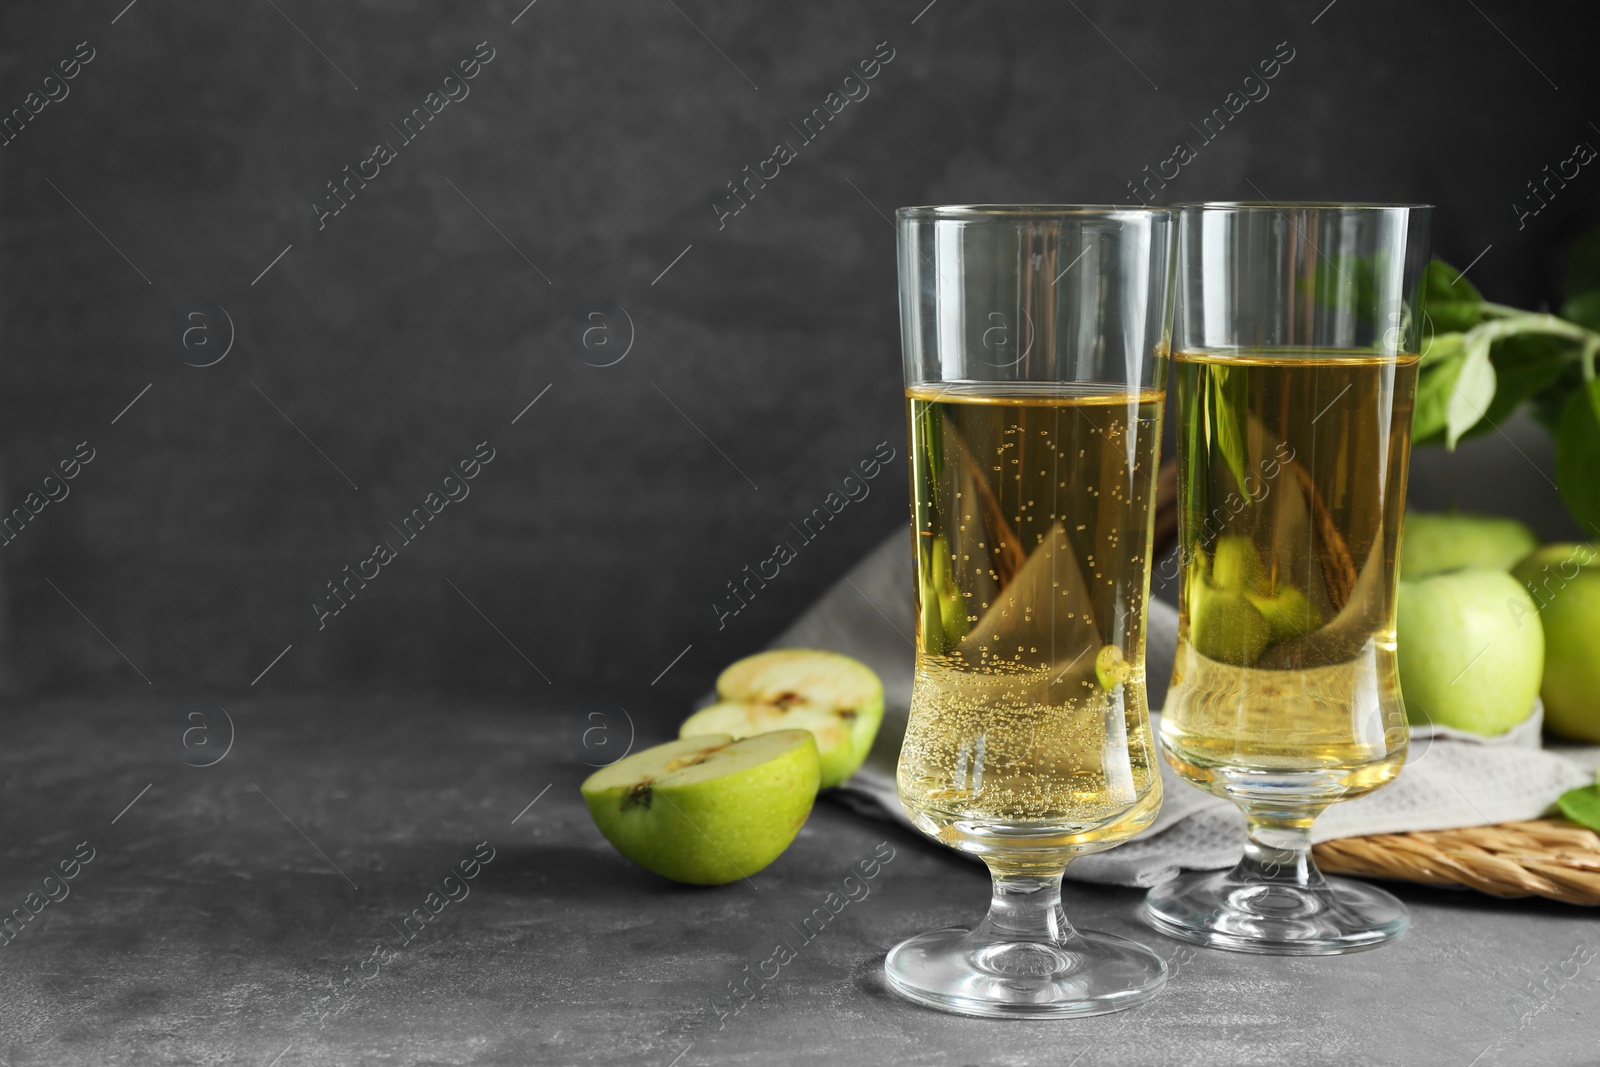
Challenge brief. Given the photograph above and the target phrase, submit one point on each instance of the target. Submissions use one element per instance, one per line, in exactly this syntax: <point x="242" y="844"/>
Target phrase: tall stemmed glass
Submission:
<point x="1295" y="359"/>
<point x="1036" y="351"/>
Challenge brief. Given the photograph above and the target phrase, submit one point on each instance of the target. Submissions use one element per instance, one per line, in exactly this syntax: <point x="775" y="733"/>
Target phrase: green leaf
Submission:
<point x="1525" y="365"/>
<point x="1586" y="361"/>
<point x="1443" y="347"/>
<point x="1345" y="282"/>
<point x="1435" y="385"/>
<point x="1583" y="282"/>
<point x="1442" y="281"/>
<point x="1583" y="309"/>
<point x="1474" y="389"/>
<point x="1547" y="406"/>
<point x="1581" y="805"/>
<point x="1229" y="404"/>
<point x="1452" y="303"/>
<point x="1578" y="455"/>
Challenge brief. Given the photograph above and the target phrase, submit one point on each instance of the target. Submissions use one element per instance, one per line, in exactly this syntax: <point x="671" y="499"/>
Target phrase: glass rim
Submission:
<point x="983" y="212"/>
<point x="1299" y="205"/>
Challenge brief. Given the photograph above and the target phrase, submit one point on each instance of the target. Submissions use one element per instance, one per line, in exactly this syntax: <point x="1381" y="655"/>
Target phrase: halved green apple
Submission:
<point x="707" y="810"/>
<point x="838" y="699"/>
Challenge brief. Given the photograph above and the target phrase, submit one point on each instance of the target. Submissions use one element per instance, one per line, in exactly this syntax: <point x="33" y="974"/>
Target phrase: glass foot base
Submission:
<point x="1219" y="909"/>
<point x="974" y="973"/>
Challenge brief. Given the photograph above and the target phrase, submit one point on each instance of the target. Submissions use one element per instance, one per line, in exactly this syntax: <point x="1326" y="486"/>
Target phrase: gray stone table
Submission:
<point x="253" y="912"/>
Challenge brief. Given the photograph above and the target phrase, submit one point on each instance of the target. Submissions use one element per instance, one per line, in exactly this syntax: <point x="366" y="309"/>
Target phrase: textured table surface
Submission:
<point x="253" y="911"/>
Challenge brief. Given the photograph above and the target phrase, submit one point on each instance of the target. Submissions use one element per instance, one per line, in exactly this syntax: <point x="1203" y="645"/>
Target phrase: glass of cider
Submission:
<point x="1036" y="343"/>
<point x="1295" y="351"/>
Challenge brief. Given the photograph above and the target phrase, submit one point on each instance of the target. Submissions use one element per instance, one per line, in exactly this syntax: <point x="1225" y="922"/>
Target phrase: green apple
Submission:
<point x="1565" y="583"/>
<point x="1289" y="613"/>
<point x="1225" y="626"/>
<point x="707" y="810"/>
<point x="830" y="728"/>
<point x="1111" y="667"/>
<point x="839" y="699"/>
<point x="1235" y="565"/>
<point x="1470" y="650"/>
<point x="1236" y="568"/>
<point x="1433" y="543"/>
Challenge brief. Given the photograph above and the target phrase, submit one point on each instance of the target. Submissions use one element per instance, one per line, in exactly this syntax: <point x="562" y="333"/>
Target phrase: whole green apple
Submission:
<point x="707" y="810"/>
<point x="1433" y="543"/>
<point x="1470" y="650"/>
<point x="1564" y="581"/>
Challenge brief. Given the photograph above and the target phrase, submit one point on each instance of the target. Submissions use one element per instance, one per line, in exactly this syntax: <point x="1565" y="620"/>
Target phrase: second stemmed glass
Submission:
<point x="1295" y="362"/>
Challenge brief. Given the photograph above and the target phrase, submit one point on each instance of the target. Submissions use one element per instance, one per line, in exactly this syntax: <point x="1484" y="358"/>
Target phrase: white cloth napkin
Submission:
<point x="1451" y="778"/>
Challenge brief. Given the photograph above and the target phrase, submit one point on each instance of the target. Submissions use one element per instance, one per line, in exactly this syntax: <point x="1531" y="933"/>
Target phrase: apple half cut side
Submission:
<point x="707" y="810"/>
<point x="830" y="728"/>
<point x="838" y="699"/>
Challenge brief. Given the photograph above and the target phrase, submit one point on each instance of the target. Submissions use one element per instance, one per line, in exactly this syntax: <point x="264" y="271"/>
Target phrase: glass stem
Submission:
<point x="1026" y="907"/>
<point x="1279" y="850"/>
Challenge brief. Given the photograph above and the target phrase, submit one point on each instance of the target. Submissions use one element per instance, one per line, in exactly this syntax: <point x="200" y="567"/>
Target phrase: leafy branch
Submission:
<point x="1486" y="360"/>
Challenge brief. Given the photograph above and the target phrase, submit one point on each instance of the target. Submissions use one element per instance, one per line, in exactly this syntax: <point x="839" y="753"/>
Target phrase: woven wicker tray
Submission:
<point x="1543" y="858"/>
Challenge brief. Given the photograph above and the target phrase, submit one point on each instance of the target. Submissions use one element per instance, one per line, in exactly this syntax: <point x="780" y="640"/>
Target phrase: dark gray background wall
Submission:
<point x="579" y="177"/>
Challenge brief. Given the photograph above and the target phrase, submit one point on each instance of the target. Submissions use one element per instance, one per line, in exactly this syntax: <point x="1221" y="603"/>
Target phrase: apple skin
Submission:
<point x="1564" y="581"/>
<point x="1470" y="650"/>
<point x="1235" y="566"/>
<point x="712" y="831"/>
<point x="1433" y="543"/>
<point x="1289" y="613"/>
<point x="1224" y="626"/>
